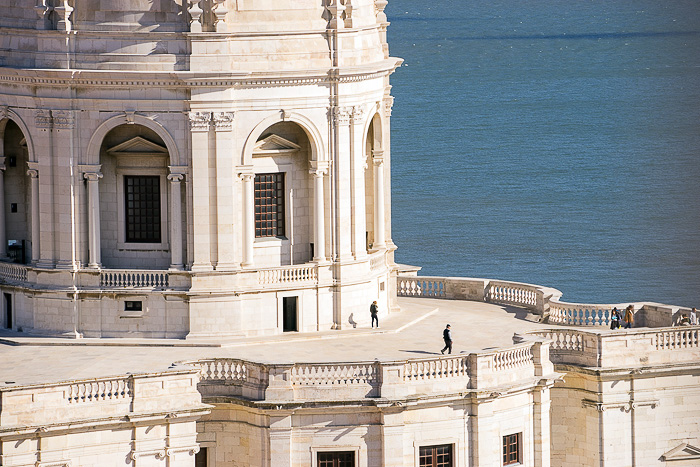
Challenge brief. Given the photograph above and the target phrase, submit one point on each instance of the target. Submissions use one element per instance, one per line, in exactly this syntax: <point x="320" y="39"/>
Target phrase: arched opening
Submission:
<point x="17" y="222"/>
<point x="373" y="155"/>
<point x="134" y="199"/>
<point x="283" y="196"/>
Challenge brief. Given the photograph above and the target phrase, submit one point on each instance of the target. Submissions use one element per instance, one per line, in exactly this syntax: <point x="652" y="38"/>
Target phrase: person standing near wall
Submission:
<point x="629" y="317"/>
<point x="447" y="337"/>
<point x="693" y="317"/>
<point x="373" y="310"/>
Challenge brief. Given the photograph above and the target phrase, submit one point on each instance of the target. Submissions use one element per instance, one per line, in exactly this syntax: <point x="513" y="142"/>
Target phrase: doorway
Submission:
<point x="289" y="314"/>
<point x="8" y="310"/>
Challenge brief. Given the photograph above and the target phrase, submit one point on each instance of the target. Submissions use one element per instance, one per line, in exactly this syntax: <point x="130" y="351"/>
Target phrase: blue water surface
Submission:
<point x="550" y="142"/>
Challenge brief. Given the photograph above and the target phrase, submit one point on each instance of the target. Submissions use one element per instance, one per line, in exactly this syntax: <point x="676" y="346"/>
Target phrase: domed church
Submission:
<point x="194" y="168"/>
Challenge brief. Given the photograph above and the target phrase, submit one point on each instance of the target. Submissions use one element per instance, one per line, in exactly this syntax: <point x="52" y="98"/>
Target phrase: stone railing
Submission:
<point x="288" y="275"/>
<point x="623" y="348"/>
<point x="359" y="380"/>
<point x="414" y="286"/>
<point x="134" y="279"/>
<point x="99" y="390"/>
<point x="544" y="301"/>
<point x="11" y="272"/>
<point x="99" y="398"/>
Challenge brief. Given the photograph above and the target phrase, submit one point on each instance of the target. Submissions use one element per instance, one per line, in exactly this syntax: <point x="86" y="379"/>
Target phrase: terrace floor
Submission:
<point x="415" y="332"/>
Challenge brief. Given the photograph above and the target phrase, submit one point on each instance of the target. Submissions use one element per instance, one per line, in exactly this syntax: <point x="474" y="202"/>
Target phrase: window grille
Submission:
<point x="336" y="459"/>
<point x="142" y="208"/>
<point x="269" y="205"/>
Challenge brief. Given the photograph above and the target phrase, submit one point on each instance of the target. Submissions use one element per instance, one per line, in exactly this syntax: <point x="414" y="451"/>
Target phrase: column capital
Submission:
<point x="2" y="163"/>
<point x="92" y="176"/>
<point x="199" y="121"/>
<point x="42" y="119"/>
<point x="341" y="114"/>
<point x="357" y="114"/>
<point x="175" y="178"/>
<point x="246" y="176"/>
<point x="178" y="169"/>
<point x="223" y="121"/>
<point x="388" y="104"/>
<point x="33" y="169"/>
<point x="318" y="168"/>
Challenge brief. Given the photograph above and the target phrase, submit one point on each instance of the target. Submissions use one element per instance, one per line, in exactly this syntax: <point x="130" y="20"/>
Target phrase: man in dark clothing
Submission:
<point x="447" y="337"/>
<point x="373" y="310"/>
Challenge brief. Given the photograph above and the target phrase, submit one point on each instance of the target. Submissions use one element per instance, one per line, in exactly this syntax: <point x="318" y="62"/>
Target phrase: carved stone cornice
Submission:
<point x="223" y="121"/>
<point x="200" y="121"/>
<point x="357" y="114"/>
<point x="341" y="114"/>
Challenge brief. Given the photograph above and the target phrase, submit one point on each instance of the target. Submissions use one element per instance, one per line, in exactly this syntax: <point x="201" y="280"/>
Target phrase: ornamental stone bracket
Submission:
<point x="345" y="115"/>
<point x="161" y="454"/>
<point x="223" y="121"/>
<point x="200" y="121"/>
<point x="622" y="406"/>
<point x="388" y="104"/>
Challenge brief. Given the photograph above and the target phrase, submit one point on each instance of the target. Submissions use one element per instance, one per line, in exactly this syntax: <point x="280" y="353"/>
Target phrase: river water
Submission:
<point x="550" y="142"/>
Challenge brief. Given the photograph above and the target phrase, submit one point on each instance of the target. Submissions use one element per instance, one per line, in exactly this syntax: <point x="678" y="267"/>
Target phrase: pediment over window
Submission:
<point x="274" y="144"/>
<point x="682" y="452"/>
<point x="138" y="146"/>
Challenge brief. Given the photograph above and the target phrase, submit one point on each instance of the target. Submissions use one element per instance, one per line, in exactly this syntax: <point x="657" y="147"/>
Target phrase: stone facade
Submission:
<point x="191" y="103"/>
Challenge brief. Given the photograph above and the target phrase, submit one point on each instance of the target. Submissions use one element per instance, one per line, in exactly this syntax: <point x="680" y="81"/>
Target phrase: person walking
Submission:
<point x="373" y="310"/>
<point x="693" y="317"/>
<point x="629" y="317"/>
<point x="447" y="337"/>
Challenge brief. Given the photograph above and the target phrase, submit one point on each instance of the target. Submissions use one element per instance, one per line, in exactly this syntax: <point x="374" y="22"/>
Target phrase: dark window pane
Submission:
<point x="142" y="208"/>
<point x="269" y="205"/>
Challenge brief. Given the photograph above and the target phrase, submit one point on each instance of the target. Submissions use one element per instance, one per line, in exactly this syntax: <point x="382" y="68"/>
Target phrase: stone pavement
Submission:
<point x="415" y="332"/>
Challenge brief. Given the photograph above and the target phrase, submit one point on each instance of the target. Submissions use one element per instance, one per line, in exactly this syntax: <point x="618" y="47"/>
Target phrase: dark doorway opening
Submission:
<point x="8" y="310"/>
<point x="289" y="314"/>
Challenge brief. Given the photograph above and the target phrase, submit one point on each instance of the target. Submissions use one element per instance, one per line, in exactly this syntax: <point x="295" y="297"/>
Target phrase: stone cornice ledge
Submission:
<point x="188" y="79"/>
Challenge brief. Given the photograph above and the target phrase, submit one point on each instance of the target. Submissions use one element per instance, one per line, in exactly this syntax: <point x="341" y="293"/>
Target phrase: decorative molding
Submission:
<point x="200" y="121"/>
<point x="388" y="104"/>
<point x="223" y="121"/>
<point x="341" y="114"/>
<point x="63" y="119"/>
<point x="623" y="406"/>
<point x="358" y="112"/>
<point x="275" y="144"/>
<point x="138" y="146"/>
<point x="42" y="119"/>
<point x="55" y="464"/>
<point x="4" y="112"/>
<point x="682" y="452"/>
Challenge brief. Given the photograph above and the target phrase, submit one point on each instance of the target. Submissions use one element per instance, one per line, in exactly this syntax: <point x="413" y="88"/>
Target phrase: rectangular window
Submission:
<point x="269" y="205"/>
<point x="336" y="459"/>
<point x="142" y="208"/>
<point x="511" y="449"/>
<point x="133" y="306"/>
<point x="436" y="456"/>
<point x="200" y="459"/>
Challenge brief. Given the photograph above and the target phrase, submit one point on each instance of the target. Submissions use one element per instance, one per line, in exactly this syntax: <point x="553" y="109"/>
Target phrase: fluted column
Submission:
<point x="379" y="221"/>
<point x="94" y="233"/>
<point x="175" y="220"/>
<point x="3" y="238"/>
<point x="248" y="217"/>
<point x="33" y="173"/>
<point x="318" y="170"/>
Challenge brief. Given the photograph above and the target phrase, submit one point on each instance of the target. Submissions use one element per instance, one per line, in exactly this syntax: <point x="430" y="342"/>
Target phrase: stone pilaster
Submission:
<point x="225" y="207"/>
<point x="94" y="232"/>
<point x="175" y="177"/>
<point x="200" y="123"/>
<point x="357" y="175"/>
<point x="248" y="217"/>
<point x="33" y="172"/>
<point x="318" y="171"/>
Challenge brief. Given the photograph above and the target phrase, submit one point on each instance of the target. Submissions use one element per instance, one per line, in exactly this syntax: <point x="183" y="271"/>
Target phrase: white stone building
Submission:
<point x="230" y="159"/>
<point x="209" y="182"/>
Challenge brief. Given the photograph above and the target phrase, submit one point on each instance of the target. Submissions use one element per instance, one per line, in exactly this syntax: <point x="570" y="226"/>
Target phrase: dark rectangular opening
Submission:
<point x="142" y="208"/>
<point x="269" y="205"/>
<point x="436" y="456"/>
<point x="511" y="449"/>
<point x="8" y="310"/>
<point x="200" y="459"/>
<point x="336" y="459"/>
<point x="133" y="305"/>
<point x="289" y="314"/>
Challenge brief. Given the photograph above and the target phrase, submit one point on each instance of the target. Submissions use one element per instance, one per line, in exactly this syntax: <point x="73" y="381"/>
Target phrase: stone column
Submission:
<point x="3" y="238"/>
<point x="318" y="170"/>
<point x="95" y="258"/>
<point x="201" y="187"/>
<point x="342" y="177"/>
<point x="175" y="219"/>
<point x="225" y="228"/>
<point x="248" y="218"/>
<point x="33" y="173"/>
<point x="359" y="214"/>
<point x="379" y="221"/>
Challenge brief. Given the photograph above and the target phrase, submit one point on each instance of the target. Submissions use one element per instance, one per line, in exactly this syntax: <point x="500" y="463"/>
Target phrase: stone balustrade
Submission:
<point x="359" y="380"/>
<point x="544" y="301"/>
<point x="288" y="275"/>
<point x="134" y="279"/>
<point x="628" y="348"/>
<point x="11" y="272"/>
<point x="99" y="398"/>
